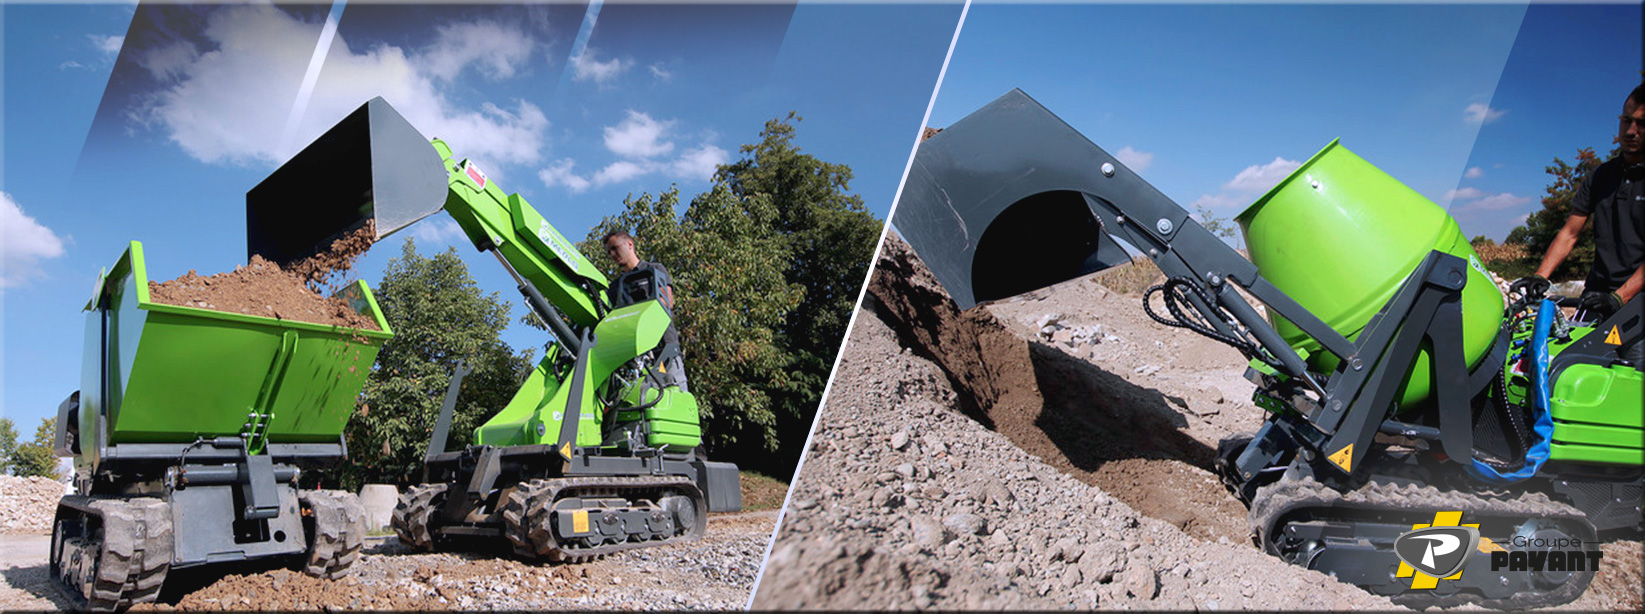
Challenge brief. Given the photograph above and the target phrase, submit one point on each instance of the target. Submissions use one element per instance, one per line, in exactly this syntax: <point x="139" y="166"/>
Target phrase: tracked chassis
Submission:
<point x="110" y="552"/>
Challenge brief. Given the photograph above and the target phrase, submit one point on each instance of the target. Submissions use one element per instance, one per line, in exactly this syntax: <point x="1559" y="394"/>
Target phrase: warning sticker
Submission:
<point x="1343" y="458"/>
<point x="1614" y="337"/>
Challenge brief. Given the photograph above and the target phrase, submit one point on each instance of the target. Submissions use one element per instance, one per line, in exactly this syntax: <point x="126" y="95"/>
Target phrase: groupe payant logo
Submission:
<point x="1443" y="549"/>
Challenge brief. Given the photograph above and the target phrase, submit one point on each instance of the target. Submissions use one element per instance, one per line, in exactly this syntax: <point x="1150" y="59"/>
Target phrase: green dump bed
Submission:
<point x="170" y="374"/>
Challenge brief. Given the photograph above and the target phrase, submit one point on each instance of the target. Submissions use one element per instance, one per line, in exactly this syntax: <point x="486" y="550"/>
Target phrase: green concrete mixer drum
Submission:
<point x="1339" y="236"/>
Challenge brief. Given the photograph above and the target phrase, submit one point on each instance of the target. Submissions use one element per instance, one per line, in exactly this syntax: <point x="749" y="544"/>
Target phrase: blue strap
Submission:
<point x="1538" y="398"/>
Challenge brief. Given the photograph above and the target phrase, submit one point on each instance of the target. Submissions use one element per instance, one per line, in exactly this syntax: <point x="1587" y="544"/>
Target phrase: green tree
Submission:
<point x="36" y="458"/>
<point x="830" y="239"/>
<point x="730" y="302"/>
<point x="439" y="316"/>
<point x="8" y="444"/>
<point x="1218" y="226"/>
<point x="1541" y="226"/>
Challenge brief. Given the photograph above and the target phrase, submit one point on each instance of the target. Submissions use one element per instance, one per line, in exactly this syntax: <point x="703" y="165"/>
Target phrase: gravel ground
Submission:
<point x="940" y="480"/>
<point x="715" y="572"/>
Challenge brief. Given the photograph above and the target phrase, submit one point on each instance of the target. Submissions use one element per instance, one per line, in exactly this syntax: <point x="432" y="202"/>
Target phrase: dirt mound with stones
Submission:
<point x="950" y="481"/>
<point x="1134" y="440"/>
<point x="262" y="288"/>
<point x="908" y="499"/>
<point x="28" y="505"/>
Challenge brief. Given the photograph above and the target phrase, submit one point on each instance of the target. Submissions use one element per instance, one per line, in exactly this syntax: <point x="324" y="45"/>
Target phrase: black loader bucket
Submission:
<point x="372" y="166"/>
<point x="996" y="204"/>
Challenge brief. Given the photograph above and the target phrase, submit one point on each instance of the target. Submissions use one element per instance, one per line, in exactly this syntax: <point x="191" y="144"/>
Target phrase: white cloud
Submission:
<point x="638" y="136"/>
<point x="699" y="162"/>
<point x="497" y="50"/>
<point x="1498" y="202"/>
<point x="585" y="67"/>
<point x="1481" y="113"/>
<point x="560" y="174"/>
<point x="168" y="63"/>
<point x="24" y="242"/>
<point x="230" y="104"/>
<point x="1135" y="160"/>
<point x="1474" y="173"/>
<point x="71" y="64"/>
<point x="1461" y="194"/>
<point x="661" y="74"/>
<point x="642" y="146"/>
<point x="621" y="170"/>
<point x="1256" y="179"/>
<point x="109" y="45"/>
<point x="439" y="231"/>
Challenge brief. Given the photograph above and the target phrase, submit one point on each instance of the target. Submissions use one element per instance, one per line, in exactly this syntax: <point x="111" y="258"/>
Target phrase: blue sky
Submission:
<point x="123" y="124"/>
<point x="1213" y="104"/>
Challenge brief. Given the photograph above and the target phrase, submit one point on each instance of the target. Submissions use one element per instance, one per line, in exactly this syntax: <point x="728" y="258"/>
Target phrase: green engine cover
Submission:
<point x="1595" y="408"/>
<point x="1597" y="417"/>
<point x="535" y="414"/>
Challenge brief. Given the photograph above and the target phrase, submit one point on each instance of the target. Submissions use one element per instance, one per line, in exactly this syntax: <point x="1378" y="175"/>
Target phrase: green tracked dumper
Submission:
<point x="189" y="432"/>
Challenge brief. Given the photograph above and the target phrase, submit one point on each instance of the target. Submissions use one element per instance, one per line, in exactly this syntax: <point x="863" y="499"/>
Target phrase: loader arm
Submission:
<point x="373" y="168"/>
<point x="1011" y="199"/>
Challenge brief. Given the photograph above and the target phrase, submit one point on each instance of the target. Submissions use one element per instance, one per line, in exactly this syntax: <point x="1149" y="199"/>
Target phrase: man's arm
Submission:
<point x="668" y="295"/>
<point x="1563" y="243"/>
<point x="1632" y="286"/>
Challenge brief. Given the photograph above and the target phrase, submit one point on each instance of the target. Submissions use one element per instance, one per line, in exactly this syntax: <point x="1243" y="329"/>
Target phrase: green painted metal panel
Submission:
<point x="1598" y="395"/>
<point x="1618" y="436"/>
<point x="1340" y="236"/>
<point x="175" y="373"/>
<point x="1595" y="454"/>
<point x="534" y="248"/>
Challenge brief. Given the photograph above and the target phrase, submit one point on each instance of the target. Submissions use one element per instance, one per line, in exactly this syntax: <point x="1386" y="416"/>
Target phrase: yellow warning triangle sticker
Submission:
<point x="1343" y="458"/>
<point x="565" y="450"/>
<point x="1615" y="338"/>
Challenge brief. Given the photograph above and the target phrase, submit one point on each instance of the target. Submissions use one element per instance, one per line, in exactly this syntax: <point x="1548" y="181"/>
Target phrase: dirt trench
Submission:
<point x="1073" y="415"/>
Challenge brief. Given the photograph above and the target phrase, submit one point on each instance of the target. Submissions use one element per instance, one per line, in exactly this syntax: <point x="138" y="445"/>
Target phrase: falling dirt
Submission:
<point x="262" y="288"/>
<point x="318" y="270"/>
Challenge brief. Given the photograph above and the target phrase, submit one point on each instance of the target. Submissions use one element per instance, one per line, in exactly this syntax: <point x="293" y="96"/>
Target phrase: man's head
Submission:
<point x="620" y="246"/>
<point x="1631" y="134"/>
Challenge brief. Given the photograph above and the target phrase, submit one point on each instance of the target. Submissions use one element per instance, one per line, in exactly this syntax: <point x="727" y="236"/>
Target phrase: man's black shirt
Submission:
<point x="1614" y="196"/>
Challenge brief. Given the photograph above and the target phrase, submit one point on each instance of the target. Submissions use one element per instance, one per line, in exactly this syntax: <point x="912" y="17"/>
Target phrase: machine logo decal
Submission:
<point x="1344" y="458"/>
<point x="1440" y="550"/>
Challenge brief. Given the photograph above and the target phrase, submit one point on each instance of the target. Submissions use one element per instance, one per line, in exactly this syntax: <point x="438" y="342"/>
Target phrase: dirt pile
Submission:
<point x="28" y="505"/>
<point x="262" y="288"/>
<point x="906" y="502"/>
<point x="1139" y="444"/>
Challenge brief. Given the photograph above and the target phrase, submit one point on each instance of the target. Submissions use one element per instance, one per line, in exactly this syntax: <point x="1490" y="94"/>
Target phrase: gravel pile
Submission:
<point x="716" y="572"/>
<point x="919" y="506"/>
<point x="27" y="505"/>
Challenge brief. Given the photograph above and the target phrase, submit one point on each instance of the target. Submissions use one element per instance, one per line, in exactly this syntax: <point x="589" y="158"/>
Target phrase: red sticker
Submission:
<point x="475" y="174"/>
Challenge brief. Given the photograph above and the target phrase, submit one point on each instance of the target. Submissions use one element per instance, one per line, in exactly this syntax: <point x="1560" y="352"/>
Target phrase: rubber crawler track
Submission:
<point x="121" y="562"/>
<point x="413" y="514"/>
<point x="337" y="533"/>
<point x="1275" y="501"/>
<point x="528" y="512"/>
